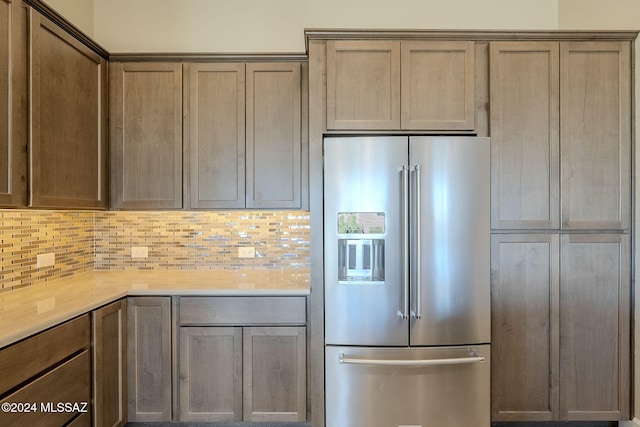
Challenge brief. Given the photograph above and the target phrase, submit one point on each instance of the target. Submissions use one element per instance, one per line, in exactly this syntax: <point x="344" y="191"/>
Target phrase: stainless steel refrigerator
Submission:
<point x="407" y="297"/>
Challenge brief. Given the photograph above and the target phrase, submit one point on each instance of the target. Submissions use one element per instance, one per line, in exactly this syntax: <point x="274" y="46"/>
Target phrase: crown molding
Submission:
<point x="71" y="29"/>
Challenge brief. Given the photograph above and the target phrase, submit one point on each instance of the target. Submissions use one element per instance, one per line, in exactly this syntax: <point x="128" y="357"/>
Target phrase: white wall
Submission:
<point x="278" y="25"/>
<point x="79" y="12"/>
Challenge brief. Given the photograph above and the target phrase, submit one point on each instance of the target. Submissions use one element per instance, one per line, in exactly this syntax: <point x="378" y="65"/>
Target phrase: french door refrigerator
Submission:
<point x="407" y="298"/>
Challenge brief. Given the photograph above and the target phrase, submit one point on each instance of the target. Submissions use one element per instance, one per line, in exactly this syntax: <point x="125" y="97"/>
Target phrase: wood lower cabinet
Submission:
<point x="400" y="85"/>
<point x="68" y="121"/>
<point x="560" y="327"/>
<point x="210" y="374"/>
<point x="525" y="281"/>
<point x="149" y="359"/>
<point x="244" y="361"/>
<point x="595" y="315"/>
<point x="109" y="365"/>
<point x="45" y="370"/>
<point x="146" y="135"/>
<point x="274" y="373"/>
<point x="13" y="103"/>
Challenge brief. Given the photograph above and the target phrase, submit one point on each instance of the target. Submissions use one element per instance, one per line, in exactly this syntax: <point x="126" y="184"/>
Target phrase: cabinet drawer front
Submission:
<point x="67" y="383"/>
<point x="242" y="310"/>
<point x="23" y="360"/>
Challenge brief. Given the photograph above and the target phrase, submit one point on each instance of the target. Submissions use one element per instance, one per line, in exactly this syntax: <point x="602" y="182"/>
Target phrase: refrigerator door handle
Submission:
<point x="406" y="277"/>
<point x="410" y="363"/>
<point x="417" y="220"/>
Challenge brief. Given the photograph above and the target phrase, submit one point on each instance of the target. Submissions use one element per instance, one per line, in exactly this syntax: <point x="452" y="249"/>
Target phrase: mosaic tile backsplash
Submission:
<point x="203" y="240"/>
<point x="24" y="235"/>
<point x="187" y="240"/>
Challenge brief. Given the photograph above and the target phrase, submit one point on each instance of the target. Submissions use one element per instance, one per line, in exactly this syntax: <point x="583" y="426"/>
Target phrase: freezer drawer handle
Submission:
<point x="411" y="363"/>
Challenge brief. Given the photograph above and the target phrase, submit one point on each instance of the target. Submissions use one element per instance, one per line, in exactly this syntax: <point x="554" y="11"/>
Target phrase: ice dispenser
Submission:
<point x="361" y="247"/>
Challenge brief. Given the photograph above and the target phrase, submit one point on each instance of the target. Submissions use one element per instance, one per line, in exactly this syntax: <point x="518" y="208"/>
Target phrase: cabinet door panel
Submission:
<point x="594" y="327"/>
<point x="68" y="120"/>
<point x="13" y="103"/>
<point x="217" y="135"/>
<point x="149" y="358"/>
<point x="147" y="135"/>
<point x="273" y="135"/>
<point x="109" y="365"/>
<point x="210" y="374"/>
<point x="596" y="135"/>
<point x="438" y="85"/>
<point x="524" y="81"/>
<point x="524" y="292"/>
<point x="363" y="85"/>
<point x="274" y="374"/>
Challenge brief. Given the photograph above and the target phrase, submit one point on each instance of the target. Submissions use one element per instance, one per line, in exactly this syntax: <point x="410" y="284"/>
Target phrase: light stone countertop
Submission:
<point x="29" y="310"/>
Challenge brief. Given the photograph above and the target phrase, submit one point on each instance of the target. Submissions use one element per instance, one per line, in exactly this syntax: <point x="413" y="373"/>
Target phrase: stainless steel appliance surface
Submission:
<point x="407" y="298"/>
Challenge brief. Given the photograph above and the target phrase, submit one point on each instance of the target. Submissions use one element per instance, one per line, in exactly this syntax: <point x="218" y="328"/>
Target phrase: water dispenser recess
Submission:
<point x="360" y="253"/>
<point x="360" y="261"/>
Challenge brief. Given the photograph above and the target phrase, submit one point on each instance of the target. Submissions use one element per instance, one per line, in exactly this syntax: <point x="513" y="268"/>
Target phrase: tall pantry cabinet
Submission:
<point x="561" y="261"/>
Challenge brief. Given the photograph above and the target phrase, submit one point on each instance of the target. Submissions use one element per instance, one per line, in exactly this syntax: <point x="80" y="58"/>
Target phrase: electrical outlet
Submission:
<point x="139" y="251"/>
<point x="246" y="252"/>
<point x="46" y="260"/>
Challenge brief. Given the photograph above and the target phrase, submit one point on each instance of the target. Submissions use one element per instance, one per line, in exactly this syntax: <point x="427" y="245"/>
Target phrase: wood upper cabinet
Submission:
<point x="595" y="304"/>
<point x="438" y="85"/>
<point x="595" y="110"/>
<point x="13" y="103"/>
<point x="363" y="84"/>
<point x="109" y="365"/>
<point x="149" y="356"/>
<point x="146" y="135"/>
<point x="216" y="134"/>
<point x="393" y="85"/>
<point x="273" y="135"/>
<point x="68" y="120"/>
<point x="561" y="135"/>
<point x="245" y="135"/>
<point x="525" y="135"/>
<point x="525" y="273"/>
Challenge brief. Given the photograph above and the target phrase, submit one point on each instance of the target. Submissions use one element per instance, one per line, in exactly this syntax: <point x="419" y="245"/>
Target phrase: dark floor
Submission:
<point x="559" y="424"/>
<point x="235" y="424"/>
<point x="246" y="424"/>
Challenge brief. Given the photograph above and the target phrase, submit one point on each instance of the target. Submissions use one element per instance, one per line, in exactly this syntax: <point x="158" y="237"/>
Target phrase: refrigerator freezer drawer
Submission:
<point x="417" y="387"/>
